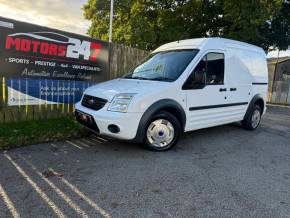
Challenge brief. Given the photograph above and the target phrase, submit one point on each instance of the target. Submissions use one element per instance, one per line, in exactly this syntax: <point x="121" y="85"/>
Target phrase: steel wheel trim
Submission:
<point x="160" y="133"/>
<point x="256" y="117"/>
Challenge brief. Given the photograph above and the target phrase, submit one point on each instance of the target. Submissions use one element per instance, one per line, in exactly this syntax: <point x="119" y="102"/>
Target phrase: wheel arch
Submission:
<point x="256" y="100"/>
<point x="168" y="105"/>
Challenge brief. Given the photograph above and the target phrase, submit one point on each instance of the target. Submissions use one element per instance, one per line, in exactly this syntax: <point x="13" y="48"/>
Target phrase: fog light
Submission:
<point x="113" y="128"/>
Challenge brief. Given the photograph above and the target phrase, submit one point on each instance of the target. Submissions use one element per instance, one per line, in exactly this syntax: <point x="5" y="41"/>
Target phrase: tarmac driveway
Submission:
<point x="218" y="172"/>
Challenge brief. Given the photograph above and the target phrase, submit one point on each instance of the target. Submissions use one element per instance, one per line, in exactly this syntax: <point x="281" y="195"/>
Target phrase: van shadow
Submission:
<point x="188" y="141"/>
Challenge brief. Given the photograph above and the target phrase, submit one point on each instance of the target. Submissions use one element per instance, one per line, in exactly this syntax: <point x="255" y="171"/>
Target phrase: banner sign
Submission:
<point x="31" y="56"/>
<point x="36" y="91"/>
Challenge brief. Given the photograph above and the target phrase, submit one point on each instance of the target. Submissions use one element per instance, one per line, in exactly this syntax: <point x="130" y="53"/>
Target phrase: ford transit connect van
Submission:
<point x="182" y="86"/>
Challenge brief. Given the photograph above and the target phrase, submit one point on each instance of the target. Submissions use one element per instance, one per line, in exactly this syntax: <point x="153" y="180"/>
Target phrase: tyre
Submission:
<point x="162" y="132"/>
<point x="252" y="121"/>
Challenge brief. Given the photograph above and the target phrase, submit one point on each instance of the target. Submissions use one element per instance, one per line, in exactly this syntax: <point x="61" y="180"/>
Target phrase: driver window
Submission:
<point x="215" y="64"/>
<point x="211" y="67"/>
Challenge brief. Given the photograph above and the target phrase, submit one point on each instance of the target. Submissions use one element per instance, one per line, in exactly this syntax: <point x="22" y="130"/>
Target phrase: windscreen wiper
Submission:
<point x="137" y="77"/>
<point x="163" y="79"/>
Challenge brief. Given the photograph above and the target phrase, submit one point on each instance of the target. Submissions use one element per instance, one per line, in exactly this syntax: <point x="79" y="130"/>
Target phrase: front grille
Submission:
<point x="94" y="103"/>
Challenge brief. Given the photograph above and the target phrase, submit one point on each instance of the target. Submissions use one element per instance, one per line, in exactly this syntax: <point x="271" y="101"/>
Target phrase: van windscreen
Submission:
<point x="163" y="66"/>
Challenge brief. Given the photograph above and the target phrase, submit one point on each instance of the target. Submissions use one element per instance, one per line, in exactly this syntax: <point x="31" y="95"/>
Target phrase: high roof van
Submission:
<point x="181" y="86"/>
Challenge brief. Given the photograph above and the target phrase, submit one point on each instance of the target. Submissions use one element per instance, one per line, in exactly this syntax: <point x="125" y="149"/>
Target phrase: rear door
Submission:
<point x="205" y="102"/>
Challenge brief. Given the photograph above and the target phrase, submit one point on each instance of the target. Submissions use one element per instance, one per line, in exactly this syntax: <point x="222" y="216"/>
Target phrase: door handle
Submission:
<point x="233" y="89"/>
<point x="223" y="89"/>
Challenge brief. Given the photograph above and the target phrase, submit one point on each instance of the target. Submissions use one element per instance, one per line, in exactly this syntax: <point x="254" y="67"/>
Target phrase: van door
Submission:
<point x="239" y="83"/>
<point x="206" y="93"/>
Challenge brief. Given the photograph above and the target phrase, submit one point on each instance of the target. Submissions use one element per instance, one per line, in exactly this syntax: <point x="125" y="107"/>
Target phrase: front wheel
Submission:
<point x="162" y="132"/>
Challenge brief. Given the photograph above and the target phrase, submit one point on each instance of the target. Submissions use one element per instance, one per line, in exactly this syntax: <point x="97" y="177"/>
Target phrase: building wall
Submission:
<point x="279" y="82"/>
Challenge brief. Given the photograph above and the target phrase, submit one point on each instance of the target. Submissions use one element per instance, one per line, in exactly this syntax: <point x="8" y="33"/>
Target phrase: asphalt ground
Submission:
<point x="223" y="171"/>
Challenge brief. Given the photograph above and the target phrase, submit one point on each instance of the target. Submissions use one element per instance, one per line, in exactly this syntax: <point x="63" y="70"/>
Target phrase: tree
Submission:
<point x="98" y="11"/>
<point x="249" y="21"/>
<point x="278" y="29"/>
<point x="147" y="24"/>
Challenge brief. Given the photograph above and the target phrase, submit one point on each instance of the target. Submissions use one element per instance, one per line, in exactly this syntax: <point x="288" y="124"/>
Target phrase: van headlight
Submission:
<point x="121" y="102"/>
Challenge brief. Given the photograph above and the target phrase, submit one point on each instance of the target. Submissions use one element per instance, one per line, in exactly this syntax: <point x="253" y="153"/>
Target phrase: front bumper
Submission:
<point x="127" y="122"/>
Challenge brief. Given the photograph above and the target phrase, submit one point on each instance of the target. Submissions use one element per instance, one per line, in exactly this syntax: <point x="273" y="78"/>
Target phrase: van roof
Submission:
<point x="208" y="43"/>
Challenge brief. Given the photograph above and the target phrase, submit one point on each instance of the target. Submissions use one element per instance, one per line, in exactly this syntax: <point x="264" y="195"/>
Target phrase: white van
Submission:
<point x="182" y="86"/>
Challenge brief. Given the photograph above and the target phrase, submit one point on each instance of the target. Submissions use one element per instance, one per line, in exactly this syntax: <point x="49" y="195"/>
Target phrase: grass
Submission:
<point x="32" y="132"/>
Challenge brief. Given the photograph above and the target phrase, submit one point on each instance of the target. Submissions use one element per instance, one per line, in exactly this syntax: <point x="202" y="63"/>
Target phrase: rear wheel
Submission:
<point x="162" y="132"/>
<point x="253" y="120"/>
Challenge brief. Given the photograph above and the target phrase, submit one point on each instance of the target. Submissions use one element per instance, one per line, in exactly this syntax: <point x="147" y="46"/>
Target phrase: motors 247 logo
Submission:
<point x="53" y="44"/>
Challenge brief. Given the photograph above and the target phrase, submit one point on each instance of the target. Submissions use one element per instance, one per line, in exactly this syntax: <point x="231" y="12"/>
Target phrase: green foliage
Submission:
<point x="279" y="30"/>
<point x="243" y="19"/>
<point x="147" y="24"/>
<point x="31" y="132"/>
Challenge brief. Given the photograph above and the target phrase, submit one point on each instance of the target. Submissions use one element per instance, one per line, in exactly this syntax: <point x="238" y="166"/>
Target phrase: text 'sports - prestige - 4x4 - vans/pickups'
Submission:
<point x="182" y="86"/>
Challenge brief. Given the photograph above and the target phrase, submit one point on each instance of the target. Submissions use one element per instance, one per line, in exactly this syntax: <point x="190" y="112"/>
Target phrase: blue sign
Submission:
<point x="24" y="91"/>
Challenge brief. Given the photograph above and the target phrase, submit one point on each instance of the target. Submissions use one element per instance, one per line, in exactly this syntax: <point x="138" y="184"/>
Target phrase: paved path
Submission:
<point x="218" y="172"/>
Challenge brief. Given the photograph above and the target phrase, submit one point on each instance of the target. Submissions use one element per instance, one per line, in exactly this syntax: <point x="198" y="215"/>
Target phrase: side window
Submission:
<point x="215" y="66"/>
<point x="209" y="71"/>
